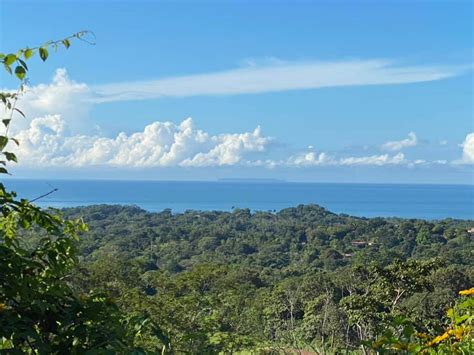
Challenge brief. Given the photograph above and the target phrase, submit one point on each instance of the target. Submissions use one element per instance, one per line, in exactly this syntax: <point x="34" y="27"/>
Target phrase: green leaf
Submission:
<point x="20" y="72"/>
<point x="25" y="223"/>
<point x="28" y="53"/>
<point x="66" y="43"/>
<point x="20" y="112"/>
<point x="3" y="171"/>
<point x="8" y="69"/>
<point x="10" y="59"/>
<point x="10" y="157"/>
<point x="3" y="142"/>
<point x="22" y="62"/>
<point x="6" y="121"/>
<point x="43" y="52"/>
<point x="15" y="140"/>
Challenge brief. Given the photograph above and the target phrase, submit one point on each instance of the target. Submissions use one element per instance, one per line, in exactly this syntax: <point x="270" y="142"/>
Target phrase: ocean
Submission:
<point x="364" y="200"/>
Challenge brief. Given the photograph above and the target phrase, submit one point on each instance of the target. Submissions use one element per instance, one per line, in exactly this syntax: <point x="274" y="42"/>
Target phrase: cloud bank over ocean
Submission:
<point x="61" y="132"/>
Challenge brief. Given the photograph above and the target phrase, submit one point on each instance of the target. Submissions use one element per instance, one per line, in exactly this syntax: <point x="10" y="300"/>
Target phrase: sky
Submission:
<point x="323" y="91"/>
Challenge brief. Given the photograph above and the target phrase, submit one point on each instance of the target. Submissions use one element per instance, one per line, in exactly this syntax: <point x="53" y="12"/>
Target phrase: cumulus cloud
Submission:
<point x="229" y="149"/>
<point x="275" y="76"/>
<point x="44" y="143"/>
<point x="394" y="146"/>
<point x="61" y="133"/>
<point x="308" y="159"/>
<point x="468" y="149"/>
<point x="62" y="96"/>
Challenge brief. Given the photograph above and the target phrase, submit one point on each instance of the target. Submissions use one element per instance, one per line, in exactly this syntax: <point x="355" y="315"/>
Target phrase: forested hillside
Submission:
<point x="301" y="278"/>
<point x="302" y="238"/>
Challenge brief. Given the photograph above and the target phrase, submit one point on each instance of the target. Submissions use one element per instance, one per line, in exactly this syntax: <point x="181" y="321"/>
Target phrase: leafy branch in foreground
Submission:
<point x="25" y="54"/>
<point x="40" y="313"/>
<point x="404" y="338"/>
<point x="16" y="63"/>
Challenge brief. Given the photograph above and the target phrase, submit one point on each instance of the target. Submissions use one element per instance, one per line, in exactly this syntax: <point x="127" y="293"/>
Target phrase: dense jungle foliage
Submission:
<point x="300" y="239"/>
<point x="119" y="280"/>
<point x="302" y="278"/>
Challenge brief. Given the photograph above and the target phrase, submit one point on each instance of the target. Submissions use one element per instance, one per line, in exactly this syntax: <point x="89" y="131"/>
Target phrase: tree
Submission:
<point x="376" y="301"/>
<point x="402" y="335"/>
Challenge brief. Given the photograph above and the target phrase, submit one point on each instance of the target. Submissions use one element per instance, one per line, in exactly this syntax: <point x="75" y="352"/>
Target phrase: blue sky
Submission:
<point x="328" y="83"/>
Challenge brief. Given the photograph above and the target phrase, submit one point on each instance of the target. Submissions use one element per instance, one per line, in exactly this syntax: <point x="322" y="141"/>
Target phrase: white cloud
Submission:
<point x="44" y="143"/>
<point x="229" y="149"/>
<point x="377" y="160"/>
<point x="323" y="159"/>
<point x="308" y="159"/>
<point x="61" y="134"/>
<point x="468" y="149"/>
<point x="62" y="96"/>
<point x="273" y="77"/>
<point x="394" y="146"/>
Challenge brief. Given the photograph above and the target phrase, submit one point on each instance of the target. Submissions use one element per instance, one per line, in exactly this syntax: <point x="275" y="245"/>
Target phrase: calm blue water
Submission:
<point x="369" y="200"/>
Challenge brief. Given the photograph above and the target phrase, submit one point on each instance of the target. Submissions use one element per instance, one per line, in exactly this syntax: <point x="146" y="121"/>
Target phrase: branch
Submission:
<point x="79" y="35"/>
<point x="44" y="195"/>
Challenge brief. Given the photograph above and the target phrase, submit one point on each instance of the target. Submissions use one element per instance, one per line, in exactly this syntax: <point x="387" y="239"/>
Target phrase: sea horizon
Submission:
<point x="424" y="201"/>
<point x="237" y="180"/>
